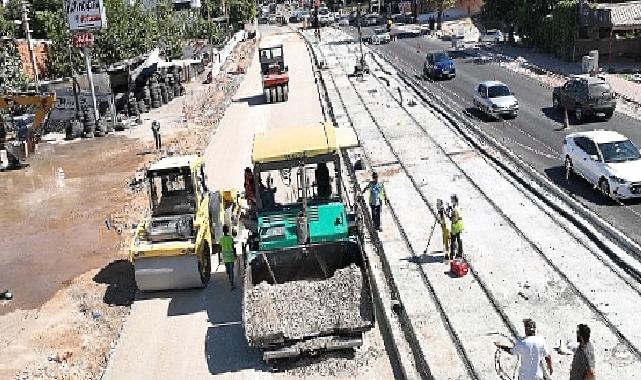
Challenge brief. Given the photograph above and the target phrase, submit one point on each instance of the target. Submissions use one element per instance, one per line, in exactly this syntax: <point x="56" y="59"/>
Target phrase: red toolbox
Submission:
<point x="458" y="267"/>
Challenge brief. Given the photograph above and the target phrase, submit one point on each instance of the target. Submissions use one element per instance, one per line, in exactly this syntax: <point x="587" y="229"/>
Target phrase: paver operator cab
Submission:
<point x="172" y="246"/>
<point x="306" y="285"/>
<point x="274" y="74"/>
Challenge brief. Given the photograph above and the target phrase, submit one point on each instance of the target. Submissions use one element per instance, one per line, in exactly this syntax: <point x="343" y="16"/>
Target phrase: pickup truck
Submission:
<point x="585" y="96"/>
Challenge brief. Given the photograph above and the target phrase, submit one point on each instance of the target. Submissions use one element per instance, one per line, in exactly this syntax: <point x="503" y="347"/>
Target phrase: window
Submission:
<point x="482" y="91"/>
<point x="586" y="145"/>
<point x="497" y="91"/>
<point x="598" y="89"/>
<point x="619" y="151"/>
<point x="171" y="193"/>
<point x="441" y="57"/>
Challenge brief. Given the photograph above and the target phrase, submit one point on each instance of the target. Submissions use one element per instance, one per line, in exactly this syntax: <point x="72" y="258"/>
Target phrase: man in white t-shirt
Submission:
<point x="531" y="350"/>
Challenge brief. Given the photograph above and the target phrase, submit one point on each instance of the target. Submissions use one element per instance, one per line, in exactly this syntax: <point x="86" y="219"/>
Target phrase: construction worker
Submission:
<point x="155" y="128"/>
<point x="229" y="254"/>
<point x="323" y="186"/>
<point x="583" y="361"/>
<point x="445" y="232"/>
<point x="249" y="187"/>
<point x="456" y="227"/>
<point x="376" y="197"/>
<point x="532" y="350"/>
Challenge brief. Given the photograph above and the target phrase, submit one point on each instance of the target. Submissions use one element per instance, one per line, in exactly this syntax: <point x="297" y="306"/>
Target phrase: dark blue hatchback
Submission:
<point x="439" y="66"/>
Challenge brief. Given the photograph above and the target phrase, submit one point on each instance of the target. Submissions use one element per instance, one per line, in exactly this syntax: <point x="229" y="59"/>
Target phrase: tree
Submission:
<point x="440" y="6"/>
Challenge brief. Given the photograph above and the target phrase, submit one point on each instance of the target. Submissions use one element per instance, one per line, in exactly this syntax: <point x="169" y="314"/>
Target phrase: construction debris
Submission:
<point x="299" y="309"/>
<point x="6" y="295"/>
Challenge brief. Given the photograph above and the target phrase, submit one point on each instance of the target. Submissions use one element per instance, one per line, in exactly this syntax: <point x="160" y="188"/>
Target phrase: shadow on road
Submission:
<point x="226" y="348"/>
<point x="477" y="114"/>
<point x="577" y="186"/>
<point x="554" y="115"/>
<point x="426" y="258"/>
<point x="253" y="100"/>
<point x="121" y="285"/>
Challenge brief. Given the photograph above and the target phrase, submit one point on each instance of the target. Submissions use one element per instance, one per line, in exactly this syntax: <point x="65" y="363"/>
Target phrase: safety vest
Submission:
<point x="457" y="222"/>
<point x="227" y="247"/>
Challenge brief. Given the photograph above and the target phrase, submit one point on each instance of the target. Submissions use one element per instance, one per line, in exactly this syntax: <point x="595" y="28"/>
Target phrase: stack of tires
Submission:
<point x="133" y="105"/>
<point x="142" y="107"/>
<point x="156" y="96"/>
<point x="89" y="122"/>
<point x="109" y="119"/>
<point x="73" y="130"/>
<point x="146" y="95"/>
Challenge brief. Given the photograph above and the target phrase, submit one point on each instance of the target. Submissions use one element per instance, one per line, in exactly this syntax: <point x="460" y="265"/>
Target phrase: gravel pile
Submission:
<point x="298" y="309"/>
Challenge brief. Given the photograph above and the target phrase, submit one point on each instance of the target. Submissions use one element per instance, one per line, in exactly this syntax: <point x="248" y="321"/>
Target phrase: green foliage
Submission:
<point x="560" y="29"/>
<point x="547" y="24"/>
<point x="131" y="29"/>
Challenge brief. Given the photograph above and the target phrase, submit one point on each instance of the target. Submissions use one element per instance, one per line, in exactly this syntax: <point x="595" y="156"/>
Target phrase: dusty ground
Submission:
<point x="66" y="313"/>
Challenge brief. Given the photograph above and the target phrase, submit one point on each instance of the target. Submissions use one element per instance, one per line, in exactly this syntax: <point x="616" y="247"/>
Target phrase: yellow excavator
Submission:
<point x="18" y="139"/>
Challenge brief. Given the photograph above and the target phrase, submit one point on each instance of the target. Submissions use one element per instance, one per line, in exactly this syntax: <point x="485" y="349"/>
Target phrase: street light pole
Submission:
<point x="360" y="40"/>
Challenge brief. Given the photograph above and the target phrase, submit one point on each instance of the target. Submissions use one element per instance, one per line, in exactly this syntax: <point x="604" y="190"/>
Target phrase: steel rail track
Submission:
<point x="418" y="91"/>
<point x="364" y="215"/>
<point x="428" y="284"/>
<point x="628" y="269"/>
<point x="604" y="227"/>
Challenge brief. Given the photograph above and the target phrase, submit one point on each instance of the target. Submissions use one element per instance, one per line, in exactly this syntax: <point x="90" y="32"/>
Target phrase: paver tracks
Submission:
<point x="497" y="307"/>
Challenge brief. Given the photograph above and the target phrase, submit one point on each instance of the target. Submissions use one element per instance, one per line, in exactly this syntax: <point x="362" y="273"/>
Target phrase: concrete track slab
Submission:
<point x="525" y="283"/>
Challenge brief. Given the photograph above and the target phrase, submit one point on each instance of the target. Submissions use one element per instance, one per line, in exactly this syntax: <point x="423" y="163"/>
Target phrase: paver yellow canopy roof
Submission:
<point x="281" y="144"/>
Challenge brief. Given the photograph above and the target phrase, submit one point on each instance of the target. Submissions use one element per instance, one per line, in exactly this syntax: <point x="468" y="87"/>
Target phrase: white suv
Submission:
<point x="606" y="159"/>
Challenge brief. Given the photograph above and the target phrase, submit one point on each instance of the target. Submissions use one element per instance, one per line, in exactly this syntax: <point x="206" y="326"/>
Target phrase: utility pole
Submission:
<point x="25" y="25"/>
<point x="87" y="53"/>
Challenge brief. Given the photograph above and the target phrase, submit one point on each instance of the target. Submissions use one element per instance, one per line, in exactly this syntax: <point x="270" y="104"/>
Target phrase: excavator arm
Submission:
<point x="42" y="103"/>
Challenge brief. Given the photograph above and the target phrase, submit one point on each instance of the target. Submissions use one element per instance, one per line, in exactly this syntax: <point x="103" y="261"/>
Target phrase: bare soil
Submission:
<point x="66" y="223"/>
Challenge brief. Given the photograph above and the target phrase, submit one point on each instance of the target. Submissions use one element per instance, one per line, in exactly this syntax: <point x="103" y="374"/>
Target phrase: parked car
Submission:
<point x="380" y="36"/>
<point x="370" y="20"/>
<point x="438" y="66"/>
<point x="343" y="21"/>
<point x="606" y="159"/>
<point x="496" y="100"/>
<point x="323" y="16"/>
<point x="585" y="96"/>
<point x="493" y="36"/>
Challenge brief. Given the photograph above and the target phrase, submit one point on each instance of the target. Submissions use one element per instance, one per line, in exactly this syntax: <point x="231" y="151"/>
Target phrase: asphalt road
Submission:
<point x="536" y="135"/>
<point x="198" y="334"/>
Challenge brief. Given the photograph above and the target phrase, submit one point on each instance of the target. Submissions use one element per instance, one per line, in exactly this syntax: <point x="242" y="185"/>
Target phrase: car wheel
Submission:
<point x="604" y="186"/>
<point x="578" y="113"/>
<point x="569" y="170"/>
<point x="556" y="104"/>
<point x="608" y="114"/>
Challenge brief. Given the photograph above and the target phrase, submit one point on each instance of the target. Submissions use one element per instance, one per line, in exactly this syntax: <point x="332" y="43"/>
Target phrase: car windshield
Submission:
<point x="441" y="57"/>
<point x="323" y="12"/>
<point x="380" y="31"/>
<point x="496" y="91"/>
<point x="598" y="89"/>
<point x="619" y="151"/>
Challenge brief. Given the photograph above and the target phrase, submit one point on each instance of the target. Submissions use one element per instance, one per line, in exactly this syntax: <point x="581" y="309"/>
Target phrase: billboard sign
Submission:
<point x="85" y="14"/>
<point x="83" y="40"/>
